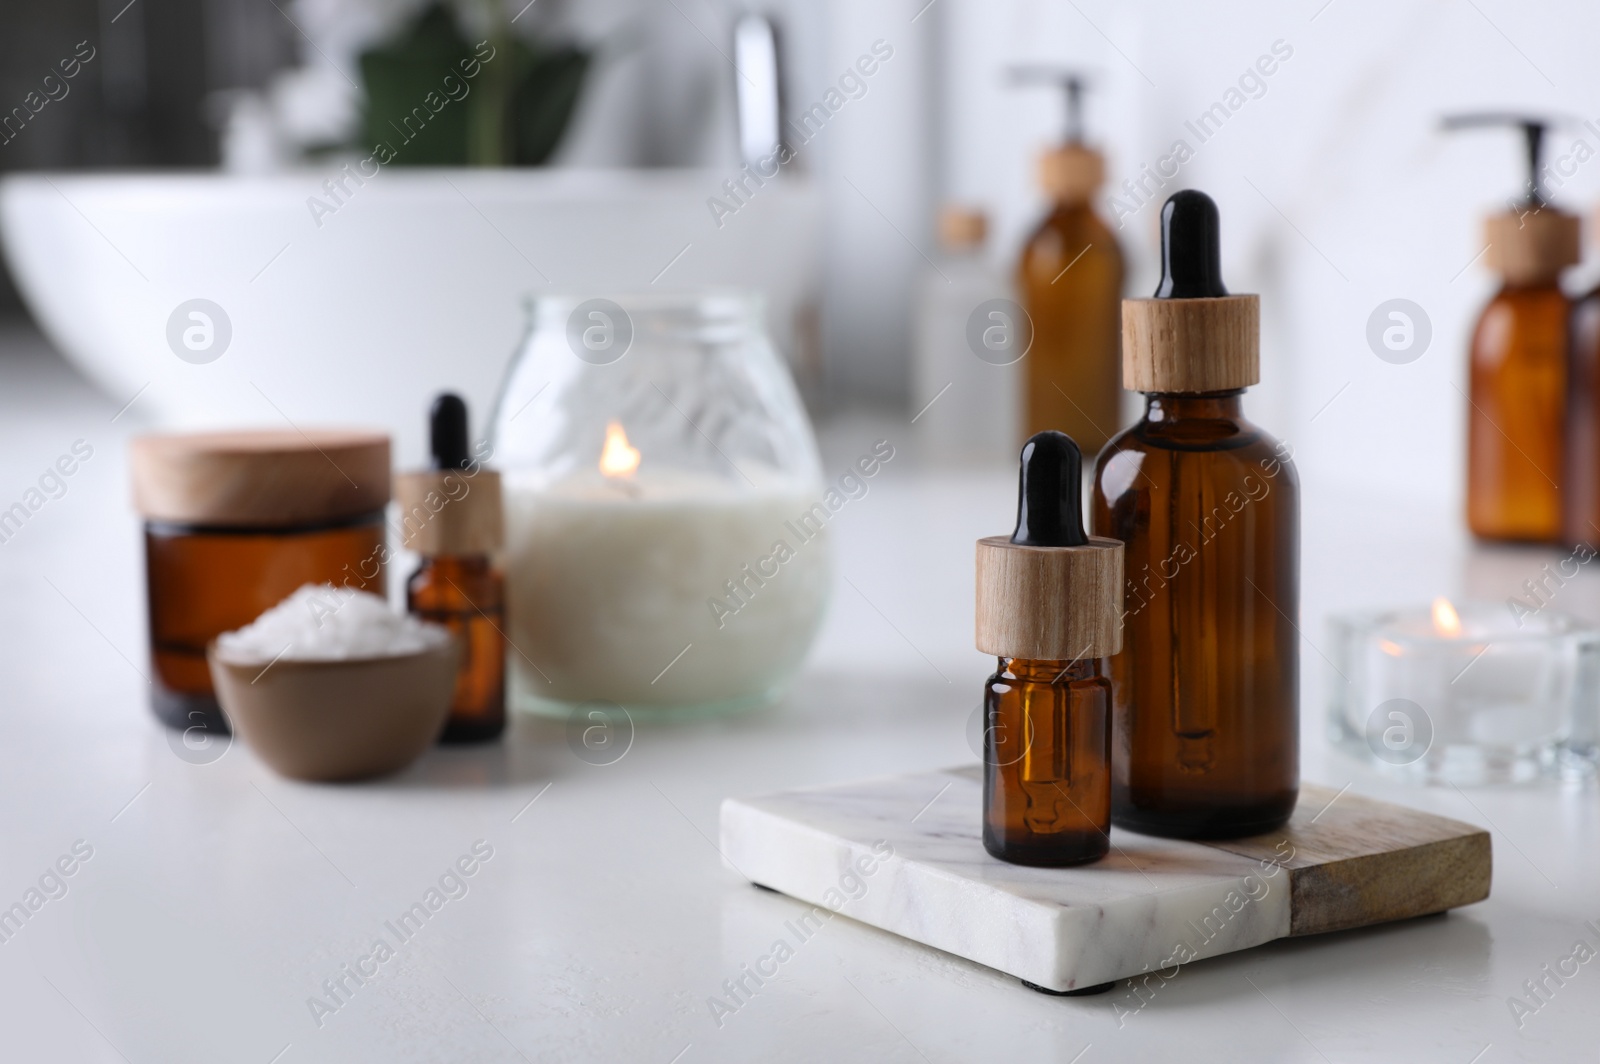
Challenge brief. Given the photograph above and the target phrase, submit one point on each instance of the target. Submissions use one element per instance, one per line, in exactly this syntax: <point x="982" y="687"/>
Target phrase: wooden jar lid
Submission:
<point x="1210" y="344"/>
<point x="1532" y="247"/>
<point x="1049" y="603"/>
<point x="262" y="479"/>
<point x="1072" y="173"/>
<point x="962" y="228"/>
<point x="450" y="512"/>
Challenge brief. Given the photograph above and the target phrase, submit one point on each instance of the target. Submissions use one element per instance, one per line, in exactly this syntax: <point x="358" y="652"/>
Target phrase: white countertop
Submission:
<point x="218" y="897"/>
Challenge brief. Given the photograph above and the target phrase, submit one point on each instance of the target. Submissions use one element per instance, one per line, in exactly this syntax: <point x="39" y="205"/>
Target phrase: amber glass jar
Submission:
<point x="1070" y="279"/>
<point x="1516" y="415"/>
<point x="234" y="523"/>
<point x="203" y="581"/>
<point x="1047" y="762"/>
<point x="1207" y="685"/>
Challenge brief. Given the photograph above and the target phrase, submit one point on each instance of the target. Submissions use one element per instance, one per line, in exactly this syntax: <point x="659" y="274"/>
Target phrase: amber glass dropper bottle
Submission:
<point x="1049" y="606"/>
<point x="1206" y="689"/>
<point x="1070" y="279"/>
<point x="1517" y="391"/>
<point x="1581" y="483"/>
<point x="451" y="515"/>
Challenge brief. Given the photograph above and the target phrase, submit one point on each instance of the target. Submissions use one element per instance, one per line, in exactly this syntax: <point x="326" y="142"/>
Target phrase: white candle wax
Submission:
<point x="610" y="578"/>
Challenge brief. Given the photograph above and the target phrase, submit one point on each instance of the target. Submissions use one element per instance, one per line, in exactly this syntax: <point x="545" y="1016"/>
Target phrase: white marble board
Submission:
<point x="905" y="854"/>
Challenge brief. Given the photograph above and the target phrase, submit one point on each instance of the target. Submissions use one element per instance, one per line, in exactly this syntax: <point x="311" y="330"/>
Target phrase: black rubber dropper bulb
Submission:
<point x="1050" y="493"/>
<point x="447" y="432"/>
<point x="1191" y="247"/>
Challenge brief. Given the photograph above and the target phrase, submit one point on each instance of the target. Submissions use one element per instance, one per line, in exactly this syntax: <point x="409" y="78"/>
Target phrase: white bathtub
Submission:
<point x="415" y="283"/>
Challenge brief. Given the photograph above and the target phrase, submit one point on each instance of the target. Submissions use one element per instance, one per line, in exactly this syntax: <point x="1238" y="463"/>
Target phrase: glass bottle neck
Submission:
<point x="1175" y="406"/>
<point x="1038" y="670"/>
<point x="456" y="564"/>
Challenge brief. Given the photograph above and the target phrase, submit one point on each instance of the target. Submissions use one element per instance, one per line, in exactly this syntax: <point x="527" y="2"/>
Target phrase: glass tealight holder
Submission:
<point x="666" y="540"/>
<point x="1470" y="695"/>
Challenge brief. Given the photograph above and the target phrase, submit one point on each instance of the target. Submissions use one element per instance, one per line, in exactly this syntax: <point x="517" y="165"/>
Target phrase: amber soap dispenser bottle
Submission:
<point x="1050" y="608"/>
<point x="1206" y="688"/>
<point x="1517" y="391"/>
<point x="1070" y="280"/>
<point x="451" y="515"/>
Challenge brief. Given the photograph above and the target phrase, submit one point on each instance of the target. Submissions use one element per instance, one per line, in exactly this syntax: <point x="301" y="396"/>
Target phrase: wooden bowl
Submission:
<point x="338" y="720"/>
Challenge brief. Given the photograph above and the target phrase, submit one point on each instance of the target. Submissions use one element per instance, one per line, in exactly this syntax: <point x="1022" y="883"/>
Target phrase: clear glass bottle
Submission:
<point x="1206" y="688"/>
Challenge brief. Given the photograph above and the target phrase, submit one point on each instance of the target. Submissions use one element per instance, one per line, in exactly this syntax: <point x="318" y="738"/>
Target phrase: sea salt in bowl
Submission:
<point x="331" y="684"/>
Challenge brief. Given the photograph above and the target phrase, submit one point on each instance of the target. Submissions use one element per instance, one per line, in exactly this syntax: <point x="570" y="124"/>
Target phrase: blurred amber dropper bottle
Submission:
<point x="1518" y="364"/>
<point x="1580" y="486"/>
<point x="451" y="515"/>
<point x="1070" y="280"/>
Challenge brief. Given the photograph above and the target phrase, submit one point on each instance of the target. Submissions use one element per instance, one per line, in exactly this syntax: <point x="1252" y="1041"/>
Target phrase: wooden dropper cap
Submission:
<point x="1048" y="592"/>
<point x="453" y="509"/>
<point x="1193" y="336"/>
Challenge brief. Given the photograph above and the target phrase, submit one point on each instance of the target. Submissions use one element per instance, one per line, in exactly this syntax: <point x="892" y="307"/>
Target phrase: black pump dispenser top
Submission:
<point x="447" y="432"/>
<point x="1072" y="82"/>
<point x="1050" y="493"/>
<point x="1533" y="131"/>
<point x="1191" y="247"/>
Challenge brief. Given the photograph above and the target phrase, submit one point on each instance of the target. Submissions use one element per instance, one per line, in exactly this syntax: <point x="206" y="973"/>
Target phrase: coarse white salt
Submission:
<point x="320" y="622"/>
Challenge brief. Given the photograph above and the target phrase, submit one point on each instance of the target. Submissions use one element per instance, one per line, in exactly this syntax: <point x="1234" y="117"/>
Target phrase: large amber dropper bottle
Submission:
<point x="1050" y="608"/>
<point x="1206" y="688"/>
<point x="1070" y="279"/>
<point x="1517" y="391"/>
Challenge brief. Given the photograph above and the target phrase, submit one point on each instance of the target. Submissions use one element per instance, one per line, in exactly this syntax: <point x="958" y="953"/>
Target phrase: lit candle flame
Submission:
<point x="1446" y="621"/>
<point x="618" y="458"/>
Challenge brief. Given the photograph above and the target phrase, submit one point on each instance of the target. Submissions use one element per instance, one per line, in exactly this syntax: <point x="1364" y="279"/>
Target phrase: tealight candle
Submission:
<point x="1468" y="694"/>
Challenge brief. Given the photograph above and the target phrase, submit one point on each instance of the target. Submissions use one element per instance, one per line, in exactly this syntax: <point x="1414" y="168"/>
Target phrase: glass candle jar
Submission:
<point x="234" y="523"/>
<point x="666" y="525"/>
<point x="1469" y="694"/>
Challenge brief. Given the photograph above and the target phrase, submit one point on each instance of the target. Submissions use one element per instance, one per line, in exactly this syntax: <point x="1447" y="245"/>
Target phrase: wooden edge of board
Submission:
<point x="1354" y="861"/>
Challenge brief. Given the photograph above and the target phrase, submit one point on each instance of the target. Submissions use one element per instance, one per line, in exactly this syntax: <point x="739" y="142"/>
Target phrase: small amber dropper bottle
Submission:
<point x="1206" y="688"/>
<point x="451" y="515"/>
<point x="1070" y="279"/>
<point x="1517" y="391"/>
<point x="1050" y="608"/>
